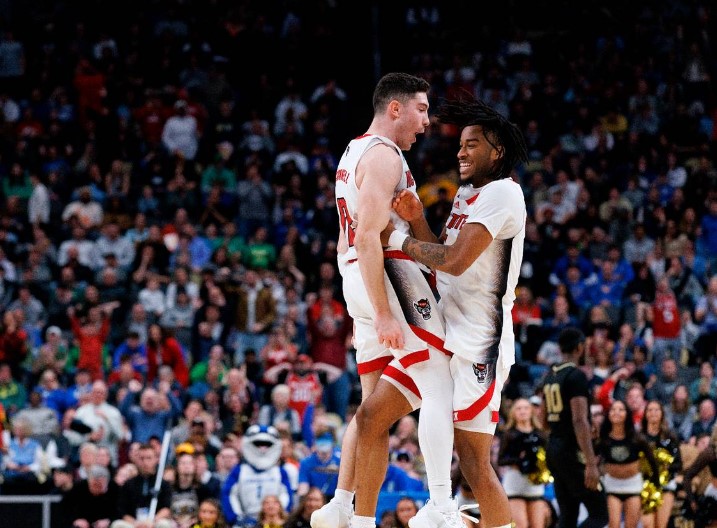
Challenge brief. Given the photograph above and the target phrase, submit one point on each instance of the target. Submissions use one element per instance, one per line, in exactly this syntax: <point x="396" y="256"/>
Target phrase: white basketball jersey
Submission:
<point x="477" y="304"/>
<point x="347" y="191"/>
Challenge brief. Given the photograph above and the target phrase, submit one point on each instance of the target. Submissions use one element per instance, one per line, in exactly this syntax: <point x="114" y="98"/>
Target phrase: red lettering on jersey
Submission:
<point x="410" y="182"/>
<point x="345" y="220"/>
<point x="456" y="221"/>
<point x="342" y="175"/>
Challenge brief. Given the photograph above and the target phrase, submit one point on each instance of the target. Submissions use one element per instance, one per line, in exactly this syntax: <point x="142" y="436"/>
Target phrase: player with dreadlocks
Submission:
<point x="477" y="261"/>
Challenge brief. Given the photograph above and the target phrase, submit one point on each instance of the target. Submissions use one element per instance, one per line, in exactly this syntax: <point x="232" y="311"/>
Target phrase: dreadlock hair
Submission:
<point x="503" y="135"/>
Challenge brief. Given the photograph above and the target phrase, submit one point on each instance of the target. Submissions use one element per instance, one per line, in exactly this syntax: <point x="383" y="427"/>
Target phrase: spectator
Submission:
<point x="85" y="213"/>
<point x="104" y="420"/>
<point x="164" y="349"/>
<point x="639" y="245"/>
<point x="279" y="414"/>
<point x="704" y="421"/>
<point x="300" y="517"/>
<point x="681" y="413"/>
<point x="134" y="351"/>
<point x="41" y="418"/>
<point x="13" y="343"/>
<point x="180" y="134"/>
<point x="272" y="513"/>
<point x="256" y="313"/>
<point x="92" y="501"/>
<point x="705" y="385"/>
<point x="92" y="337"/>
<point x="320" y="468"/>
<point x="135" y="495"/>
<point x="187" y="492"/>
<point x="302" y="379"/>
<point x="329" y="326"/>
<point x="13" y="394"/>
<point x="153" y="415"/>
<point x="666" y="322"/>
<point x="254" y="195"/>
<point x="21" y="469"/>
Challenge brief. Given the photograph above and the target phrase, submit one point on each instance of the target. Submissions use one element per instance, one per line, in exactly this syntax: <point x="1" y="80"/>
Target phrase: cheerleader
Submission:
<point x="518" y="456"/>
<point x="620" y="449"/>
<point x="660" y="436"/>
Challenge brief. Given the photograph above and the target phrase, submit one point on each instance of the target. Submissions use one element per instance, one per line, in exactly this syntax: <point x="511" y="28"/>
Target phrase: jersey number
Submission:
<point x="553" y="399"/>
<point x="346" y="221"/>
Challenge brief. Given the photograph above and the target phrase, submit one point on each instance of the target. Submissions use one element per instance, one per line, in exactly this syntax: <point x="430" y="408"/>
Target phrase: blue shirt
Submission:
<point x="323" y="475"/>
<point x="23" y="454"/>
<point x="398" y="480"/>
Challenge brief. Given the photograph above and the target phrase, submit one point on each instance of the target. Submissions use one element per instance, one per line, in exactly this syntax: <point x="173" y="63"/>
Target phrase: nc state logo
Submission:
<point x="481" y="371"/>
<point x="423" y="307"/>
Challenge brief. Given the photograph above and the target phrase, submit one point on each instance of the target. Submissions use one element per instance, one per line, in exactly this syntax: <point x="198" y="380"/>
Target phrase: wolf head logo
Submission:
<point x="423" y="307"/>
<point x="481" y="371"/>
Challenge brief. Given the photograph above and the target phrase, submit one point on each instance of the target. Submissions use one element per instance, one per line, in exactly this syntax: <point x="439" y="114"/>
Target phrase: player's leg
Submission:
<point x="476" y="409"/>
<point x="414" y="304"/>
<point x="338" y="511"/>
<point x="374" y="418"/>
<point x="404" y="399"/>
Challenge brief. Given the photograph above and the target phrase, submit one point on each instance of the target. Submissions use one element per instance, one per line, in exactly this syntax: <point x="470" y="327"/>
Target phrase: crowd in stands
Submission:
<point x="168" y="230"/>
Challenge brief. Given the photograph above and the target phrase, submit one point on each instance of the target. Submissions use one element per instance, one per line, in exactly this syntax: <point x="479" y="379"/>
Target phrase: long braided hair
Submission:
<point x="503" y="135"/>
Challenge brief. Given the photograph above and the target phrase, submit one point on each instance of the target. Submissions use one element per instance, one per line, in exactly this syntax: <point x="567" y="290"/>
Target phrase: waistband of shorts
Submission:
<point x="388" y="254"/>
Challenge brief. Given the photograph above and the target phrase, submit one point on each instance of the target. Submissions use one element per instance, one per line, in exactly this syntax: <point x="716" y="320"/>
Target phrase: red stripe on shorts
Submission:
<point x="473" y="411"/>
<point x="432" y="339"/>
<point x="414" y="357"/>
<point x="372" y="366"/>
<point x="402" y="378"/>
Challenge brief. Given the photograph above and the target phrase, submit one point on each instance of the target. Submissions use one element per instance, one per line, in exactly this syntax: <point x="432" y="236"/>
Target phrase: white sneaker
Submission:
<point x="333" y="514"/>
<point x="429" y="516"/>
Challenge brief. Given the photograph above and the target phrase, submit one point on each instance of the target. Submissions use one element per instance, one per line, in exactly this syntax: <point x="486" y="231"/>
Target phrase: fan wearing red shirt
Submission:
<point x="163" y="349"/>
<point x="304" y="383"/>
<point x="666" y="324"/>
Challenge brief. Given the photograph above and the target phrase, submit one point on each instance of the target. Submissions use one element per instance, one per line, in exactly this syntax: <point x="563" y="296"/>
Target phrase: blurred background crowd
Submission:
<point x="168" y="227"/>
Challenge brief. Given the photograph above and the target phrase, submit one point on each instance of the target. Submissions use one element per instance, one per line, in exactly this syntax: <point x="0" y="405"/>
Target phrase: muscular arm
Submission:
<point x="409" y="207"/>
<point x="454" y="259"/>
<point x="378" y="174"/>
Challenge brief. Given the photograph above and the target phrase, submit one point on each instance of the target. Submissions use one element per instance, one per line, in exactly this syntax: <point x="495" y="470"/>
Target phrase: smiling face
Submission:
<point x="476" y="156"/>
<point x="617" y="413"/>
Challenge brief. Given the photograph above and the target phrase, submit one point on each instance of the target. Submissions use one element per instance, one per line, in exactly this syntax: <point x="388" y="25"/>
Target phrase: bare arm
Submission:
<point x="454" y="259"/>
<point x="583" y="433"/>
<point x="378" y="174"/>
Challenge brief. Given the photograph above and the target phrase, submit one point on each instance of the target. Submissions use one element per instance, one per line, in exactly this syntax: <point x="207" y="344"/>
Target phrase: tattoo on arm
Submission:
<point x="432" y="255"/>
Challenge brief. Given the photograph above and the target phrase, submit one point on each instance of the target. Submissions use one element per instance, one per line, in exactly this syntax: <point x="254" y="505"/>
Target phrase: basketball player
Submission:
<point x="477" y="268"/>
<point x="393" y="308"/>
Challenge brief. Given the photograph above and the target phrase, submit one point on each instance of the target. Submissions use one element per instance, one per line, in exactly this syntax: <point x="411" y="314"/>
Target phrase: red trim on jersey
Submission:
<point x="389" y="254"/>
<point x="472" y="199"/>
<point x="402" y="378"/>
<point x="432" y="339"/>
<point x="473" y="411"/>
<point x="414" y="357"/>
<point x="395" y="254"/>
<point x="372" y="366"/>
<point x="363" y="136"/>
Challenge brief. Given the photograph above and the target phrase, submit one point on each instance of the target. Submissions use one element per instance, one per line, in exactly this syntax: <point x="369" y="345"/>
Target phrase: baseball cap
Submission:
<point x="184" y="448"/>
<point x="53" y="330"/>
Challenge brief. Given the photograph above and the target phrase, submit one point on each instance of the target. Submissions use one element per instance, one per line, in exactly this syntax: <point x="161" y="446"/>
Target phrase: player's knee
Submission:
<point x="366" y="423"/>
